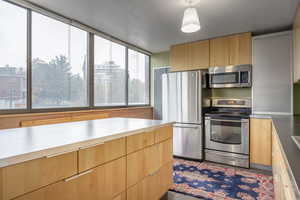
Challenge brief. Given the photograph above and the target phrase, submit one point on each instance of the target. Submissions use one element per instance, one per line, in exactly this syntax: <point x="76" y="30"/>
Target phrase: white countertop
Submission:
<point x="22" y="144"/>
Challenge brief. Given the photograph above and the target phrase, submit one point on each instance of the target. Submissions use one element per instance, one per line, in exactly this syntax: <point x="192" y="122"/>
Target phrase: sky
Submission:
<point x="50" y="38"/>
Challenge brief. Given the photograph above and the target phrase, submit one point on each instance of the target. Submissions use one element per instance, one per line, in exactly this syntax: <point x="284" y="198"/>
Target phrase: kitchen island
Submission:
<point x="114" y="158"/>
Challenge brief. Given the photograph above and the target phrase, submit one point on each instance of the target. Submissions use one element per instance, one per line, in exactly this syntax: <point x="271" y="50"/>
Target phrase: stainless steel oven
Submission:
<point x="230" y="135"/>
<point x="227" y="132"/>
<point x="230" y="76"/>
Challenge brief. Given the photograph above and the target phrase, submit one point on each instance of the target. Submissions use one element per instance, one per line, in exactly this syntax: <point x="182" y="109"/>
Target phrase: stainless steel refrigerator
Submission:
<point x="184" y="99"/>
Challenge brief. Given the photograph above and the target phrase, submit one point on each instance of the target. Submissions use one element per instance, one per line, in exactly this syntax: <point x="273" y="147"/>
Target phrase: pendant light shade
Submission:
<point x="190" y="22"/>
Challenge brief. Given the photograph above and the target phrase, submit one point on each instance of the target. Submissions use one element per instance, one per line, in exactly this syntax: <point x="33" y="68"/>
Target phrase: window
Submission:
<point x="59" y="64"/>
<point x="13" y="67"/>
<point x="109" y="73"/>
<point x="138" y="83"/>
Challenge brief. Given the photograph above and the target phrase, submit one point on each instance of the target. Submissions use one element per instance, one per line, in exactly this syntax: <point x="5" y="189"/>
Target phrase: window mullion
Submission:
<point x="126" y="77"/>
<point x="91" y="80"/>
<point x="29" y="61"/>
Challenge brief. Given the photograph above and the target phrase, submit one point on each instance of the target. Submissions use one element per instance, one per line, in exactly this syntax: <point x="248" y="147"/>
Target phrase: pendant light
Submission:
<point x="190" y="22"/>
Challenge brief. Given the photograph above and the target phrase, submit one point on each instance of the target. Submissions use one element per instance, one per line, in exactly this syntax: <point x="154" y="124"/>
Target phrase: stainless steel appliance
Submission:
<point x="184" y="98"/>
<point x="230" y="76"/>
<point x="227" y="132"/>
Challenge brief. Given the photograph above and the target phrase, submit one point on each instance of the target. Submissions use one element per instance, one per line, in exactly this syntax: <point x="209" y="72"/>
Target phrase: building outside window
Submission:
<point x="13" y="67"/>
<point x="109" y="73"/>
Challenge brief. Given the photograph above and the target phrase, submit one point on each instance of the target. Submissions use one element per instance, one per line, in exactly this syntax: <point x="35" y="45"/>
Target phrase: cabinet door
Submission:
<point x="231" y="50"/>
<point x="166" y="152"/>
<point x="151" y="159"/>
<point x="219" y="51"/>
<point x="139" y="141"/>
<point x="199" y="54"/>
<point x="165" y="178"/>
<point x="135" y="192"/>
<point x="244" y="49"/>
<point x="179" y="58"/>
<point x="105" y="182"/>
<point x="261" y="141"/>
<point x="150" y="187"/>
<point x="94" y="156"/>
<point x="163" y="133"/>
<point x="135" y="167"/>
<point x="31" y="175"/>
<point x="121" y="196"/>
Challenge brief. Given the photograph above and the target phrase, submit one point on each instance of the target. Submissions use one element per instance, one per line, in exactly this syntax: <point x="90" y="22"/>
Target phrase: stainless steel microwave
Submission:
<point x="230" y="76"/>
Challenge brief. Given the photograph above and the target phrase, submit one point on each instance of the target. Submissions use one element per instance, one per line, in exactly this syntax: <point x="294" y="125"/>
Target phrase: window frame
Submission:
<point x="91" y="33"/>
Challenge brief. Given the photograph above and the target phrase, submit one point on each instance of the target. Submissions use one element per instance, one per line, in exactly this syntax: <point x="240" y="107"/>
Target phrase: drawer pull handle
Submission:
<point x="78" y="175"/>
<point x="91" y="145"/>
<point x="60" y="153"/>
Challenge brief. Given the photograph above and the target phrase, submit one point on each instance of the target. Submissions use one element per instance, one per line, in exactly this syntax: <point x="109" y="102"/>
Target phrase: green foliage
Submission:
<point x="54" y="84"/>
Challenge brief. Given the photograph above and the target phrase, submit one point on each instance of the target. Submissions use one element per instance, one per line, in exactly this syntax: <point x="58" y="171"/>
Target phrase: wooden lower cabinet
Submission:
<point x="121" y="196"/>
<point x="96" y="155"/>
<point x="139" y="141"/>
<point x="148" y="161"/>
<point x="154" y="186"/>
<point x="261" y="141"/>
<point x="135" y="167"/>
<point x="163" y="133"/>
<point x="31" y="175"/>
<point x="101" y="172"/>
<point x="105" y="182"/>
<point x="284" y="187"/>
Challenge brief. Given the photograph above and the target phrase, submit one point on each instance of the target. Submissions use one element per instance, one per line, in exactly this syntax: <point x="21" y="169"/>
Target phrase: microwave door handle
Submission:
<point x="240" y="78"/>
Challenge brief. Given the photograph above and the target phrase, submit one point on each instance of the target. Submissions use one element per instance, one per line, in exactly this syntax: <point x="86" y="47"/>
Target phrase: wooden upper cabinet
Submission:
<point x="199" y="54"/>
<point x="231" y="50"/>
<point x="179" y="57"/>
<point x="219" y="51"/>
<point x="190" y="56"/>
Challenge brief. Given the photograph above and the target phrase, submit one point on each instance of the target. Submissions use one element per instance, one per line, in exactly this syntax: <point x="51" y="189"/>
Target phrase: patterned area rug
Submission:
<point x="214" y="182"/>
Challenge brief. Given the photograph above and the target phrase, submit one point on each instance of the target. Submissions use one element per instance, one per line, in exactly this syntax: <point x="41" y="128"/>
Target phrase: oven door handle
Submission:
<point x="226" y="120"/>
<point x="193" y="127"/>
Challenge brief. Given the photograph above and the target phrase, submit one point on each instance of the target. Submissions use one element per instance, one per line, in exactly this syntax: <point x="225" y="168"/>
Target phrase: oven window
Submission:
<point x="226" y="132"/>
<point x="225" y="78"/>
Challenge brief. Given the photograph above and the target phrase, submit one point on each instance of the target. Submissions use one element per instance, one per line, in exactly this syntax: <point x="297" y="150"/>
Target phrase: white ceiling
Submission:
<point x="154" y="25"/>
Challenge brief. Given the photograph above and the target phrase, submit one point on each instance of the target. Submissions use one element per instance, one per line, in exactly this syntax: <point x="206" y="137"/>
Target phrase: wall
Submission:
<point x="13" y="120"/>
<point x="160" y="59"/>
<point x="231" y="93"/>
<point x="297" y="99"/>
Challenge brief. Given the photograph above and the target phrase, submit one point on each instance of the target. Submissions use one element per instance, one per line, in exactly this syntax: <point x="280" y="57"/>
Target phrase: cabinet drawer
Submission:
<point x="163" y="133"/>
<point x="104" y="182"/>
<point x="166" y="152"/>
<point x="31" y="175"/>
<point x="135" y="167"/>
<point x="151" y="159"/>
<point x="96" y="155"/>
<point x="139" y="141"/>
